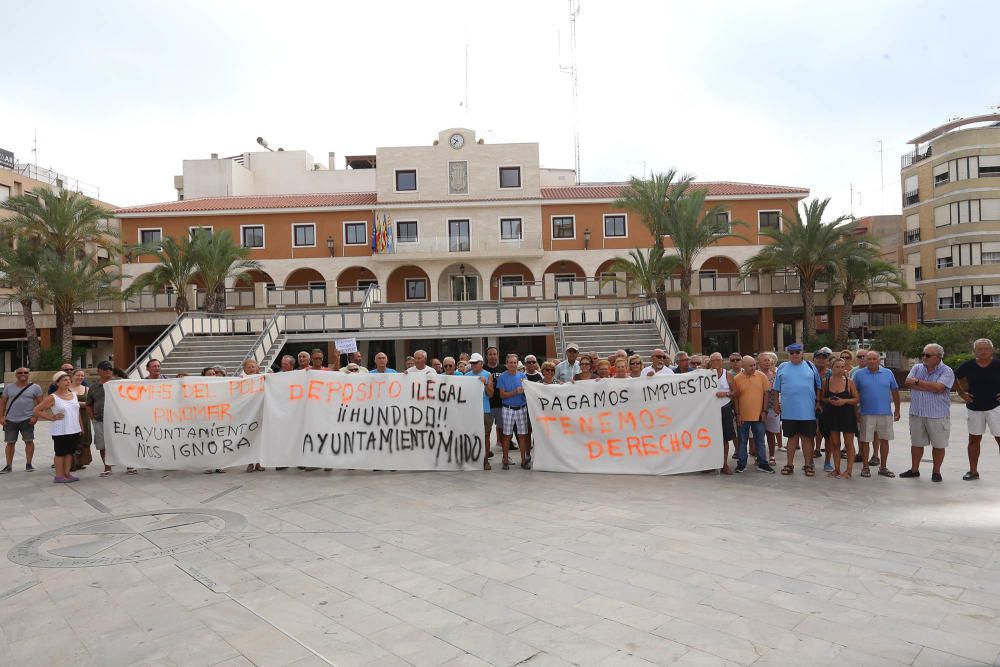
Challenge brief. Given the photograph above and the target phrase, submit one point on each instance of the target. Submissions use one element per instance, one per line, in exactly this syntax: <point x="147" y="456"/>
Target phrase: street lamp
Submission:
<point x="330" y="245"/>
<point x="920" y="307"/>
<point x="586" y="239"/>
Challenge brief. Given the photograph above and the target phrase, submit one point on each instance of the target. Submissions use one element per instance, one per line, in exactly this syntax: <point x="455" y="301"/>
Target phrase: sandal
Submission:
<point x="788" y="470"/>
<point x="506" y="465"/>
<point x="526" y="464"/>
<point x="844" y="475"/>
<point x="770" y="462"/>
<point x="809" y="470"/>
<point x="131" y="471"/>
<point x="250" y="468"/>
<point x="259" y="468"/>
<point x="487" y="466"/>
<point x="866" y="472"/>
<point x="105" y="473"/>
<point x="885" y="472"/>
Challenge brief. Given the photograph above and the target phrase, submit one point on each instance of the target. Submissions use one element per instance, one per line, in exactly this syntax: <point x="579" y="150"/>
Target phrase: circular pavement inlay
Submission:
<point x="127" y="538"/>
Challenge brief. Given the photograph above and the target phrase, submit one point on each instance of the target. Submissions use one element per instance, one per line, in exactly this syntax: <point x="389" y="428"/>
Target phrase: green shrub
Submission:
<point x="50" y="359"/>
<point x="956" y="360"/>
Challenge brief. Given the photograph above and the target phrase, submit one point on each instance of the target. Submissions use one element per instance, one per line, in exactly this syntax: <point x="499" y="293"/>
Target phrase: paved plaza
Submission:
<point x="501" y="568"/>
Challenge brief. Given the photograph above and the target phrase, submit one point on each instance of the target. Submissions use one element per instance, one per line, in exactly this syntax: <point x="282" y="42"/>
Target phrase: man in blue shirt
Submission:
<point x="878" y="391"/>
<point x="930" y="383"/>
<point x="515" y="412"/>
<point x="797" y="384"/>
<point x="382" y="364"/>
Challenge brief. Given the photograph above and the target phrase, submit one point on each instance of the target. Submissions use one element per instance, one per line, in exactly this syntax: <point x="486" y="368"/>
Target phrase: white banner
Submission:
<point x="346" y="345"/>
<point x="660" y="425"/>
<point x="373" y="422"/>
<point x="189" y="423"/>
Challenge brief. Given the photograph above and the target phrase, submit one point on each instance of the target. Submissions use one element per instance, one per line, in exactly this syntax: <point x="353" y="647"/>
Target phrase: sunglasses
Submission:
<point x="531" y="361"/>
<point x="925" y="355"/>
<point x="548" y="370"/>
<point x="635" y="363"/>
<point x="21" y="373"/>
<point x="795" y="352"/>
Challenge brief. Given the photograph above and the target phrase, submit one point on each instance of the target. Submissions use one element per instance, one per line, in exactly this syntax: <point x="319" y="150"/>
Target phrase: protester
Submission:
<point x="682" y="362"/>
<point x="797" y="384"/>
<point x="549" y="373"/>
<point x="821" y="359"/>
<point x="515" y="412"/>
<point x="351" y="368"/>
<point x="724" y="390"/>
<point x="355" y="358"/>
<point x="95" y="411"/>
<point x="408" y="363"/>
<point x="420" y="366"/>
<point x="287" y="363"/>
<point x="840" y="398"/>
<point x="697" y="361"/>
<point x="603" y="368"/>
<point x="621" y="368"/>
<point x="635" y="366"/>
<point x="463" y="367"/>
<point x="861" y="356"/>
<point x="437" y="365"/>
<point x="304" y="360"/>
<point x="929" y="382"/>
<point x="495" y="369"/>
<point x="316" y="361"/>
<point x="735" y="362"/>
<point x="63" y="409"/>
<point x="766" y="362"/>
<point x="17" y="404"/>
<point x="153" y="370"/>
<point x="659" y="364"/>
<point x="208" y="372"/>
<point x="249" y="367"/>
<point x="220" y="371"/>
<point x="586" y="365"/>
<point x="751" y="389"/>
<point x="879" y="401"/>
<point x="531" y="370"/>
<point x="382" y="364"/>
<point x="979" y="386"/>
<point x="82" y="457"/>
<point x="65" y="368"/>
<point x="449" y="367"/>
<point x="476" y="360"/>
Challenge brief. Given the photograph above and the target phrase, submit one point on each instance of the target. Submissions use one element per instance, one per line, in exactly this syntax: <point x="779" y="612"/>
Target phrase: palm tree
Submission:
<point x="177" y="268"/>
<point x="644" y="267"/>
<point x="692" y="229"/>
<point x="810" y="248"/>
<point x="20" y="267"/>
<point x="221" y="260"/>
<point x="72" y="283"/>
<point x="649" y="199"/>
<point x="864" y="272"/>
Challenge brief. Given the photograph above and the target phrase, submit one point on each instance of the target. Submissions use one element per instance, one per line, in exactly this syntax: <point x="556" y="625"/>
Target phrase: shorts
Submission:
<point x="25" y="429"/>
<point x="803" y="427"/>
<point x="772" y="422"/>
<point x="931" y="431"/>
<point x="497" y="416"/>
<point x="515" y="418"/>
<point x="65" y="445"/>
<point x="980" y="419"/>
<point x="872" y="424"/>
<point x="98" y="430"/>
<point x="728" y="422"/>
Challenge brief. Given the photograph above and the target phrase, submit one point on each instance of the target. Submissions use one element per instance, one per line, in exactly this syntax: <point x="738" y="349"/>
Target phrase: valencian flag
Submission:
<point x="375" y="232"/>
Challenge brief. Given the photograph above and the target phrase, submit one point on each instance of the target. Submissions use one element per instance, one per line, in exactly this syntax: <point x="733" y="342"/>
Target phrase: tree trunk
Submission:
<point x="220" y="300"/>
<point x="808" y="288"/>
<point x="31" y="334"/>
<point x="181" y="302"/>
<point x="685" y="315"/>
<point x="845" y="321"/>
<point x="59" y="329"/>
<point x="67" y="338"/>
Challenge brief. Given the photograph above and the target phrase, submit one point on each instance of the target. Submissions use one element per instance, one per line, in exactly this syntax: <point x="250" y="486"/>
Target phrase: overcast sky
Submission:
<point x="793" y="93"/>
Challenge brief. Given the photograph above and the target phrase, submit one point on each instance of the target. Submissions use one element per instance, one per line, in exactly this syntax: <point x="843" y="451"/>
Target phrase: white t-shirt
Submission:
<point x="649" y="372"/>
<point x="427" y="370"/>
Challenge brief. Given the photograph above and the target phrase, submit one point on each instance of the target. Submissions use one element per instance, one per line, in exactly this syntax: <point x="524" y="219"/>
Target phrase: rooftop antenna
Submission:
<point x="34" y="148"/>
<point x="574" y="11"/>
<point x="263" y="142"/>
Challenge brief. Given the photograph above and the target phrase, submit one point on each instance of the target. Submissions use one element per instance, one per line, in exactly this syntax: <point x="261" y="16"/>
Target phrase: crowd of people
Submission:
<point x="819" y="406"/>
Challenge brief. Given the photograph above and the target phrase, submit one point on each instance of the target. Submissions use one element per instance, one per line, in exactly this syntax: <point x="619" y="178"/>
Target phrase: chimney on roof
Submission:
<point x="215" y="156"/>
<point x="330" y="158"/>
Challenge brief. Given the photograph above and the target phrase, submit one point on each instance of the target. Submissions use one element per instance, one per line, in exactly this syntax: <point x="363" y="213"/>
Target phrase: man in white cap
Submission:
<point x="567" y="369"/>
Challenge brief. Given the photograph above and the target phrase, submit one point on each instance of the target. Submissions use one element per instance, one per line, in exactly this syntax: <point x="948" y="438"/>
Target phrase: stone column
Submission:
<point x="694" y="332"/>
<point x="121" y="347"/>
<point x="779" y="344"/>
<point x="260" y="296"/>
<point x="331" y="294"/>
<point x="766" y="329"/>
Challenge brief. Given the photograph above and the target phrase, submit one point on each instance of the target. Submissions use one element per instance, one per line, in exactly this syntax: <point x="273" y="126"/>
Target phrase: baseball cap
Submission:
<point x="573" y="346"/>
<point x="827" y="351"/>
<point x="794" y="347"/>
<point x="105" y="366"/>
<point x="476" y="358"/>
<point x="821" y="353"/>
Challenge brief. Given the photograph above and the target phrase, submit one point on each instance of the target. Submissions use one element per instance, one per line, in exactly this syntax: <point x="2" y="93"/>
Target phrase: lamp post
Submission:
<point x="586" y="239"/>
<point x="920" y="308"/>
<point x="331" y="245"/>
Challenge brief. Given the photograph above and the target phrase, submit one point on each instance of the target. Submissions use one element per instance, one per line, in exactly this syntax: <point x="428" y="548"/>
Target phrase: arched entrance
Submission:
<point x="352" y="283"/>
<point x="460" y="282"/>
<point x="408" y="283"/>
<point x="570" y="279"/>
<point x="513" y="280"/>
<point x="303" y="287"/>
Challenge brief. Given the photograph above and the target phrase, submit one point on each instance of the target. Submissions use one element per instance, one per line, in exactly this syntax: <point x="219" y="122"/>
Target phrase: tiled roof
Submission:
<point x="715" y="189"/>
<point x="256" y="202"/>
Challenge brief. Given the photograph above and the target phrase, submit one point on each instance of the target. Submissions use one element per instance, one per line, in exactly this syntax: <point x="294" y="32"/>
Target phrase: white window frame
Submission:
<point x="467" y="221"/>
<point x="149" y="229"/>
<point x="769" y="210"/>
<point x="192" y="228"/>
<point x="263" y="237"/>
<point x="395" y="179"/>
<point x="520" y="177"/>
<point x="406" y="289"/>
<point x="604" y="225"/>
<point x="366" y="236"/>
<point x="303" y="224"/>
<point x="395" y="230"/>
<point x="729" y="222"/>
<point x="7" y="189"/>
<point x="552" y="228"/>
<point x="500" y="221"/>
<point x="519" y="276"/>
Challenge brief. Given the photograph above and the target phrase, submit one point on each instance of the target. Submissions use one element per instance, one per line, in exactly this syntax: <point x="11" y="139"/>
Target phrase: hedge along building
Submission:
<point x="486" y="247"/>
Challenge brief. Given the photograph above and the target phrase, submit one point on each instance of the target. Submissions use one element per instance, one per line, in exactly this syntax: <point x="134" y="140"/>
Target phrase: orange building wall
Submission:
<point x="396" y="289"/>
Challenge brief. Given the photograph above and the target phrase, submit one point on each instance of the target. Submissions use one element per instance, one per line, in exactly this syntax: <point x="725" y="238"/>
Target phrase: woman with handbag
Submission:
<point x="63" y="409"/>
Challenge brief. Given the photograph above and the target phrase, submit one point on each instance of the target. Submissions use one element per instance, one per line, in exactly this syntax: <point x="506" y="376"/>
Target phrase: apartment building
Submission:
<point x="951" y="208"/>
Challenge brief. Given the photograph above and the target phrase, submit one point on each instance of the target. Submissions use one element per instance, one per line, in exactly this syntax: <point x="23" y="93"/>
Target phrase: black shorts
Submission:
<point x="65" y="445"/>
<point x="793" y="427"/>
<point x="728" y="422"/>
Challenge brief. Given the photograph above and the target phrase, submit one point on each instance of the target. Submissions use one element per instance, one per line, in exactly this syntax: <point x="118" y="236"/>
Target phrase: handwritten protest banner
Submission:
<point x="661" y="425"/>
<point x="346" y="345"/>
<point x="373" y="422"/>
<point x="189" y="423"/>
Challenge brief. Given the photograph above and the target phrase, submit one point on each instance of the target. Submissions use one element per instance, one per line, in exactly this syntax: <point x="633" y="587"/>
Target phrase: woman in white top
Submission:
<point x="63" y="409"/>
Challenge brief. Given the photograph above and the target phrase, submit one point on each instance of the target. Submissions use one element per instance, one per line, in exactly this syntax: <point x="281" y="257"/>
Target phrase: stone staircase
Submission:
<point x="604" y="339"/>
<point x="197" y="351"/>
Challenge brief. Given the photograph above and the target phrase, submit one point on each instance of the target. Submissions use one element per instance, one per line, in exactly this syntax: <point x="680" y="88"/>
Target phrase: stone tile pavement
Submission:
<point x="502" y="568"/>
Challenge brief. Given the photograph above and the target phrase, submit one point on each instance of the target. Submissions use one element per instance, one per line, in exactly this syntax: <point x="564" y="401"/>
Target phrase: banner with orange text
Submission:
<point x="373" y="421"/>
<point x="188" y="423"/>
<point x="661" y="425"/>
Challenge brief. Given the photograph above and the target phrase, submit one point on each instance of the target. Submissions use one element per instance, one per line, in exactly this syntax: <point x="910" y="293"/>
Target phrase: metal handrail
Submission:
<point x="560" y="332"/>
<point x="135" y="370"/>
<point x="264" y="342"/>
<point x="373" y="295"/>
<point x="664" y="327"/>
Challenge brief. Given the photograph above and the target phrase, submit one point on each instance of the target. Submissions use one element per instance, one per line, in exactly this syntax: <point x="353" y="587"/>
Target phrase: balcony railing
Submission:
<point x="784" y="283"/>
<point x="728" y="283"/>
<point x="592" y="287"/>
<point x="534" y="289"/>
<point x="236" y="297"/>
<point x="911" y="236"/>
<point x="910" y="198"/>
<point x="297" y="296"/>
<point x="148" y="300"/>
<point x="479" y="242"/>
<point x="914" y="157"/>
